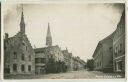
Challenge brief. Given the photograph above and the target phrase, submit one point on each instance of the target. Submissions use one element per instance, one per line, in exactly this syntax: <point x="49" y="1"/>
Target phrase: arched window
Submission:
<point x="120" y="48"/>
<point x="29" y="67"/>
<point x="22" y="57"/>
<point x="22" y="67"/>
<point x="26" y="48"/>
<point x="14" y="67"/>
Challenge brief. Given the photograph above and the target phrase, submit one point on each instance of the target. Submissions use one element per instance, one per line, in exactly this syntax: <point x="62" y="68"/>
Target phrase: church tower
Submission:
<point x="48" y="37"/>
<point x="22" y="23"/>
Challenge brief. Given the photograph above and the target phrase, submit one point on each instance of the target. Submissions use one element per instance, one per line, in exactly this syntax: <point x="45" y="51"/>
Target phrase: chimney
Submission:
<point x="6" y="35"/>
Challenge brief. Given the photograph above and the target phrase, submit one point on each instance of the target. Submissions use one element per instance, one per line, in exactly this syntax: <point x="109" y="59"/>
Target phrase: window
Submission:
<point x="120" y="48"/>
<point x="36" y="60"/>
<point x="5" y="47"/>
<point x="42" y="60"/>
<point x="26" y="48"/>
<point x="8" y="66"/>
<point x="116" y="50"/>
<point x="22" y="57"/>
<point x="100" y="63"/>
<point x="15" y="55"/>
<point x="110" y="48"/>
<point x="97" y="64"/>
<point x="29" y="57"/>
<point x="119" y="66"/>
<point x="115" y="66"/>
<point x="51" y="56"/>
<point x="14" y="67"/>
<point x="119" y="31"/>
<point x="23" y="43"/>
<point x="29" y="67"/>
<point x="22" y="67"/>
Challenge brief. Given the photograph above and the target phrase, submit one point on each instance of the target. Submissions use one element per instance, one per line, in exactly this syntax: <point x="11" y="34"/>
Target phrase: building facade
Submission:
<point x="19" y="56"/>
<point x="78" y="64"/>
<point x="50" y="50"/>
<point x="110" y="52"/>
<point x="67" y="59"/>
<point x="54" y="52"/>
<point x="119" y="46"/>
<point x="40" y="61"/>
<point x="44" y="54"/>
<point x="103" y="55"/>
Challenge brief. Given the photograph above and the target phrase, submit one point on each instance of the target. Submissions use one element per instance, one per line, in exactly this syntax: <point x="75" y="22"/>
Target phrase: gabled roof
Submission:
<point x="38" y="50"/>
<point x="102" y="42"/>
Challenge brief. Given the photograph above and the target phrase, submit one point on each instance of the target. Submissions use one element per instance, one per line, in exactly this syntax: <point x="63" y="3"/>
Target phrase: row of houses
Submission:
<point x="109" y="55"/>
<point x="21" y="58"/>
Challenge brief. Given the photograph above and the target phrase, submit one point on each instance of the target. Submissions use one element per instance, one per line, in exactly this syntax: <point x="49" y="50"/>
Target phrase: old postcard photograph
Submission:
<point x="64" y="41"/>
<point x="0" y="41"/>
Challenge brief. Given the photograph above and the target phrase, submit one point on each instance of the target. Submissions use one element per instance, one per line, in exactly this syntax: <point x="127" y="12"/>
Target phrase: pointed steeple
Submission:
<point x="48" y="37"/>
<point x="48" y="31"/>
<point x="22" y="23"/>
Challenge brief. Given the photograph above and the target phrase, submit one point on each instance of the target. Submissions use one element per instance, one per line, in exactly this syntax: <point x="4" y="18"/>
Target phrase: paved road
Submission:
<point x="82" y="74"/>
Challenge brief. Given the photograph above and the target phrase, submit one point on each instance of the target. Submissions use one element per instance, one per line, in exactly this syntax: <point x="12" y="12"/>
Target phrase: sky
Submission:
<point x="77" y="27"/>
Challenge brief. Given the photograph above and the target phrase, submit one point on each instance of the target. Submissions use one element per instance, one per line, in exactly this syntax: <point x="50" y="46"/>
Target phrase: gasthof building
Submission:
<point x="119" y="46"/>
<point x="19" y="56"/>
<point x="109" y="55"/>
<point x="103" y="55"/>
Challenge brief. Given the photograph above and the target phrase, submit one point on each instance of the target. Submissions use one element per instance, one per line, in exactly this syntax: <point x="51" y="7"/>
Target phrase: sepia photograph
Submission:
<point x="0" y="41"/>
<point x="64" y="41"/>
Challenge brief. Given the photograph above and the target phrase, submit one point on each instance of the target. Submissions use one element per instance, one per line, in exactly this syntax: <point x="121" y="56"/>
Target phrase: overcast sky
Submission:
<point x="79" y="27"/>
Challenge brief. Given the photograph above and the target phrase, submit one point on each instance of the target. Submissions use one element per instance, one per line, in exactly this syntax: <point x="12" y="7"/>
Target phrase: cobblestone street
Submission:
<point x="82" y="74"/>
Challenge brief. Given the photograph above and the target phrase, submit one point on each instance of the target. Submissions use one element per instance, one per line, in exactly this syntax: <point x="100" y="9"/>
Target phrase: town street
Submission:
<point x="82" y="74"/>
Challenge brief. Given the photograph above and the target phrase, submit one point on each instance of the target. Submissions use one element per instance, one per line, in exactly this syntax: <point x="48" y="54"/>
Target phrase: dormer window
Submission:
<point x="23" y="43"/>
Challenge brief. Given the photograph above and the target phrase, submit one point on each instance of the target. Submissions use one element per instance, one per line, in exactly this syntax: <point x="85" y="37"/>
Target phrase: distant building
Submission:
<point x="40" y="61"/>
<point x="54" y="52"/>
<point x="67" y="59"/>
<point x="19" y="56"/>
<point x="103" y="55"/>
<point x="79" y="64"/>
<point x="119" y="46"/>
<point x="45" y="53"/>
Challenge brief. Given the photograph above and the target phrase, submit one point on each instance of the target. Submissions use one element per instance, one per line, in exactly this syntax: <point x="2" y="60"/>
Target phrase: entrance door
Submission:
<point x="119" y="66"/>
<point x="7" y="70"/>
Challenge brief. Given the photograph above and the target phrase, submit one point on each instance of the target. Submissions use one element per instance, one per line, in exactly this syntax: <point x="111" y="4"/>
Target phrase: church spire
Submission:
<point x="48" y="31"/>
<point x="22" y="23"/>
<point x="48" y="37"/>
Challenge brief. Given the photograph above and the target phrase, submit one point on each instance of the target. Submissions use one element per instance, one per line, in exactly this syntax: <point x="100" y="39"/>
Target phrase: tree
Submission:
<point x="90" y="64"/>
<point x="51" y="66"/>
<point x="55" y="66"/>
